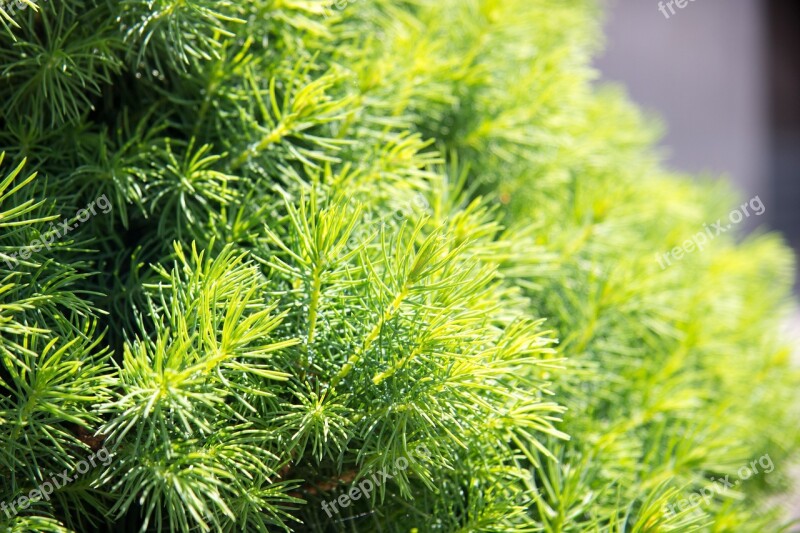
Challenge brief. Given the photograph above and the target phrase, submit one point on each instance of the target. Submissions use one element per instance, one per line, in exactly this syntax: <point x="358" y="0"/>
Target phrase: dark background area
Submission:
<point x="784" y="115"/>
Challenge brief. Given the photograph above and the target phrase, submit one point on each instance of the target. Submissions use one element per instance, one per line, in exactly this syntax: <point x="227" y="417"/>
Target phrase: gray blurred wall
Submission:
<point x="703" y="71"/>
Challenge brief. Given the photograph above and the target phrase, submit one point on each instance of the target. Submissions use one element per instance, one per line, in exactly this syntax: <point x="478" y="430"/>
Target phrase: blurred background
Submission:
<point x="724" y="75"/>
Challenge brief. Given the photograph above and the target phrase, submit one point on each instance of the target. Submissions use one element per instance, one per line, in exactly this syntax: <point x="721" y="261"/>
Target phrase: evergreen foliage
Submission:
<point x="337" y="234"/>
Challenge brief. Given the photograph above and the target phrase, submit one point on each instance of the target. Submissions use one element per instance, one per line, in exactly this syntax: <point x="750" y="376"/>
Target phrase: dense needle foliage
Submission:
<point x="260" y="251"/>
